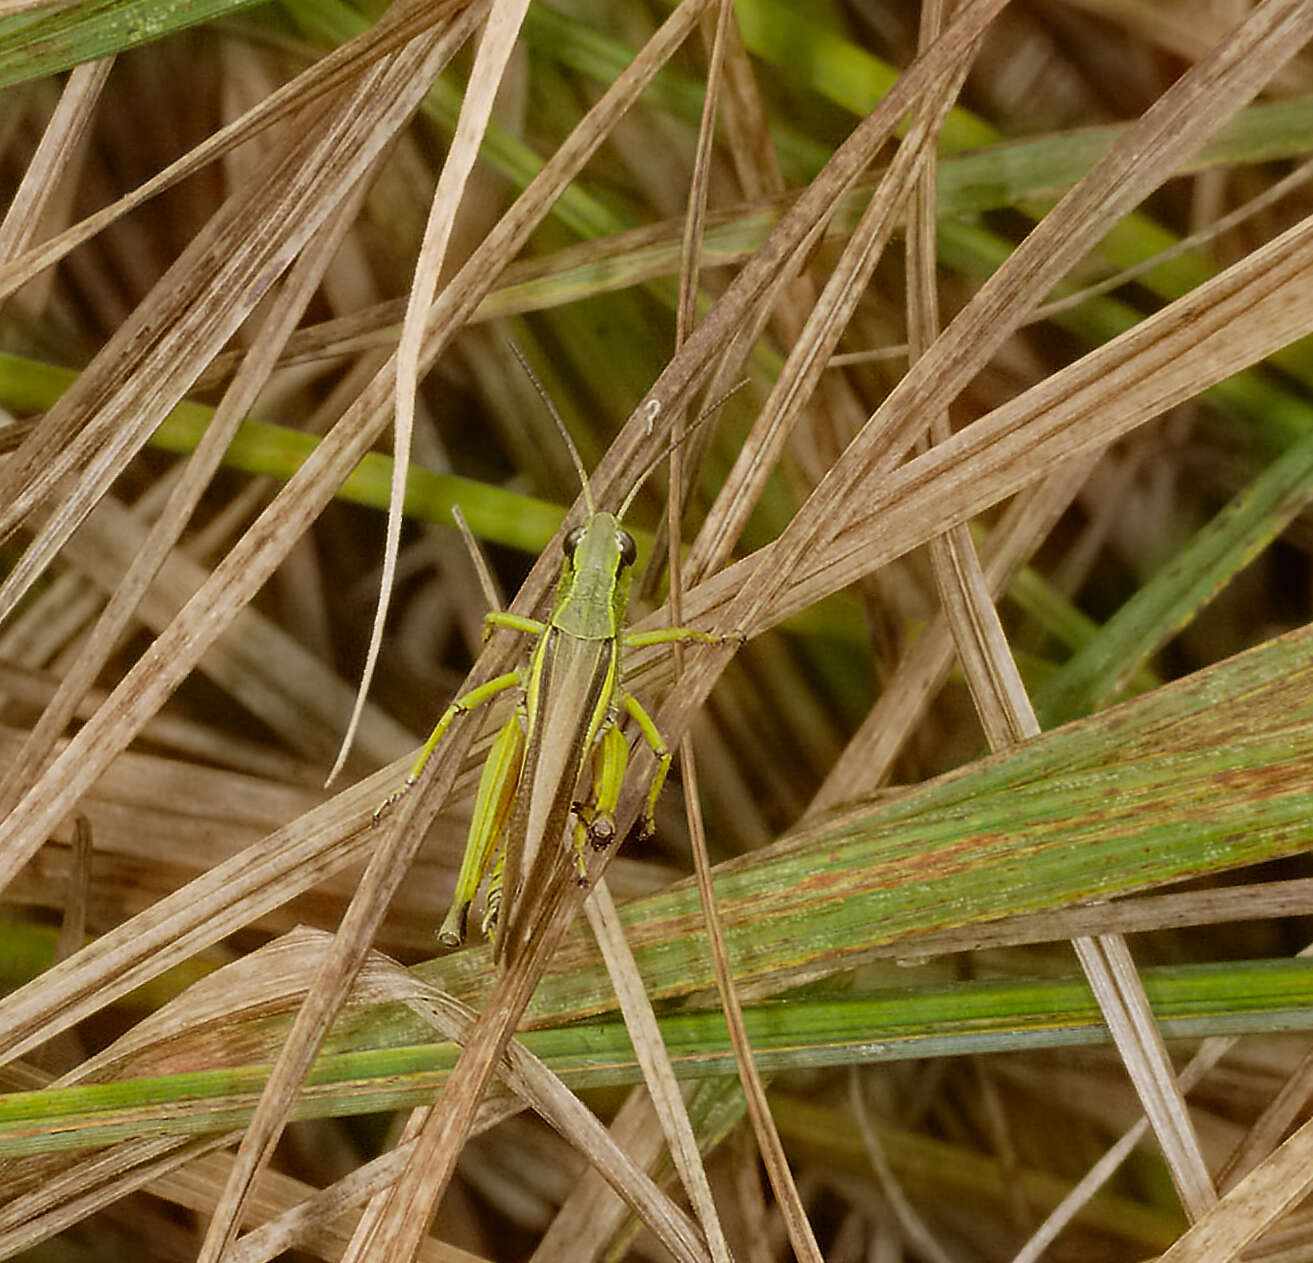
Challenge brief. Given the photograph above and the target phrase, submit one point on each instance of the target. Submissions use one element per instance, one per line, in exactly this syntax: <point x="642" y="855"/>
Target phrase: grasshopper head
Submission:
<point x="595" y="576"/>
<point x="601" y="543"/>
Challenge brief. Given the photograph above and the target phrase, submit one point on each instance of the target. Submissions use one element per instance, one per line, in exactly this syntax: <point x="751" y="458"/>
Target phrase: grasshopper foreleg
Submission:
<point x="472" y="700"/>
<point x="511" y="622"/>
<point x="673" y="635"/>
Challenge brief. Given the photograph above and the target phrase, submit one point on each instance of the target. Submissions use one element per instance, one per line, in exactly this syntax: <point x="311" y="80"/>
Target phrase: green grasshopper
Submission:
<point x="565" y="728"/>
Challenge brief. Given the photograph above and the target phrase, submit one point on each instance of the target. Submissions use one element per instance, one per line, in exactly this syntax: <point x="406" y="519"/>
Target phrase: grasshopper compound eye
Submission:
<point x="628" y="549"/>
<point x="572" y="541"/>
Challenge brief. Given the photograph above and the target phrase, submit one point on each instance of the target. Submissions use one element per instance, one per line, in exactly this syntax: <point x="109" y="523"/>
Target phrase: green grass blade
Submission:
<point x="1201" y="776"/>
<point x="954" y="1019"/>
<point x="1172" y="598"/>
<point x="45" y="43"/>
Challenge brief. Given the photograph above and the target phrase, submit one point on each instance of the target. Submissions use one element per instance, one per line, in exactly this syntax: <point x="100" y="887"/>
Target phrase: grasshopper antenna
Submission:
<point x="560" y="425"/>
<point x="706" y="414"/>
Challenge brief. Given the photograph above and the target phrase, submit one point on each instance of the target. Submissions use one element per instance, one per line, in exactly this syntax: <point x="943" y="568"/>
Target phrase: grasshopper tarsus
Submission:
<point x="452" y="933"/>
<point x="594" y="826"/>
<point x="389" y="802"/>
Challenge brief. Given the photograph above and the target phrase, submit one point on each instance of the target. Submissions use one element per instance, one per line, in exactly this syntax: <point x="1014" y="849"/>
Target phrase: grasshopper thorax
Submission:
<point x="594" y="587"/>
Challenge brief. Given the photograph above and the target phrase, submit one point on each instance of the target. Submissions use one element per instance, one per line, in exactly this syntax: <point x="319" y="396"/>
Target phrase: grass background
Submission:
<point x="1123" y="436"/>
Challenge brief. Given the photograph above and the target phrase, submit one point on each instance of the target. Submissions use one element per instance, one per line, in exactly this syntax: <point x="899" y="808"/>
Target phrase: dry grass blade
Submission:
<point x="1107" y="963"/>
<point x="1008" y="717"/>
<point x="150" y="554"/>
<point x="58" y="150"/>
<point x="398" y="25"/>
<point x="1176" y="124"/>
<point x="801" y="1237"/>
<point x="1244" y="1212"/>
<point x="991" y="671"/>
<point x="499" y="35"/>
<point x="658" y="1073"/>
<point x="149" y="981"/>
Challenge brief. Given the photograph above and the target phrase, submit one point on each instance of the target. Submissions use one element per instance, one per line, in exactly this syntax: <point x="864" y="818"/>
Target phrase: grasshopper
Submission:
<point x="564" y="732"/>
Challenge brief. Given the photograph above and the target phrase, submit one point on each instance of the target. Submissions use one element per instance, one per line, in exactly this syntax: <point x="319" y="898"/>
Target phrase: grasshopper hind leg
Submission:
<point x="492" y="808"/>
<point x="594" y="823"/>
